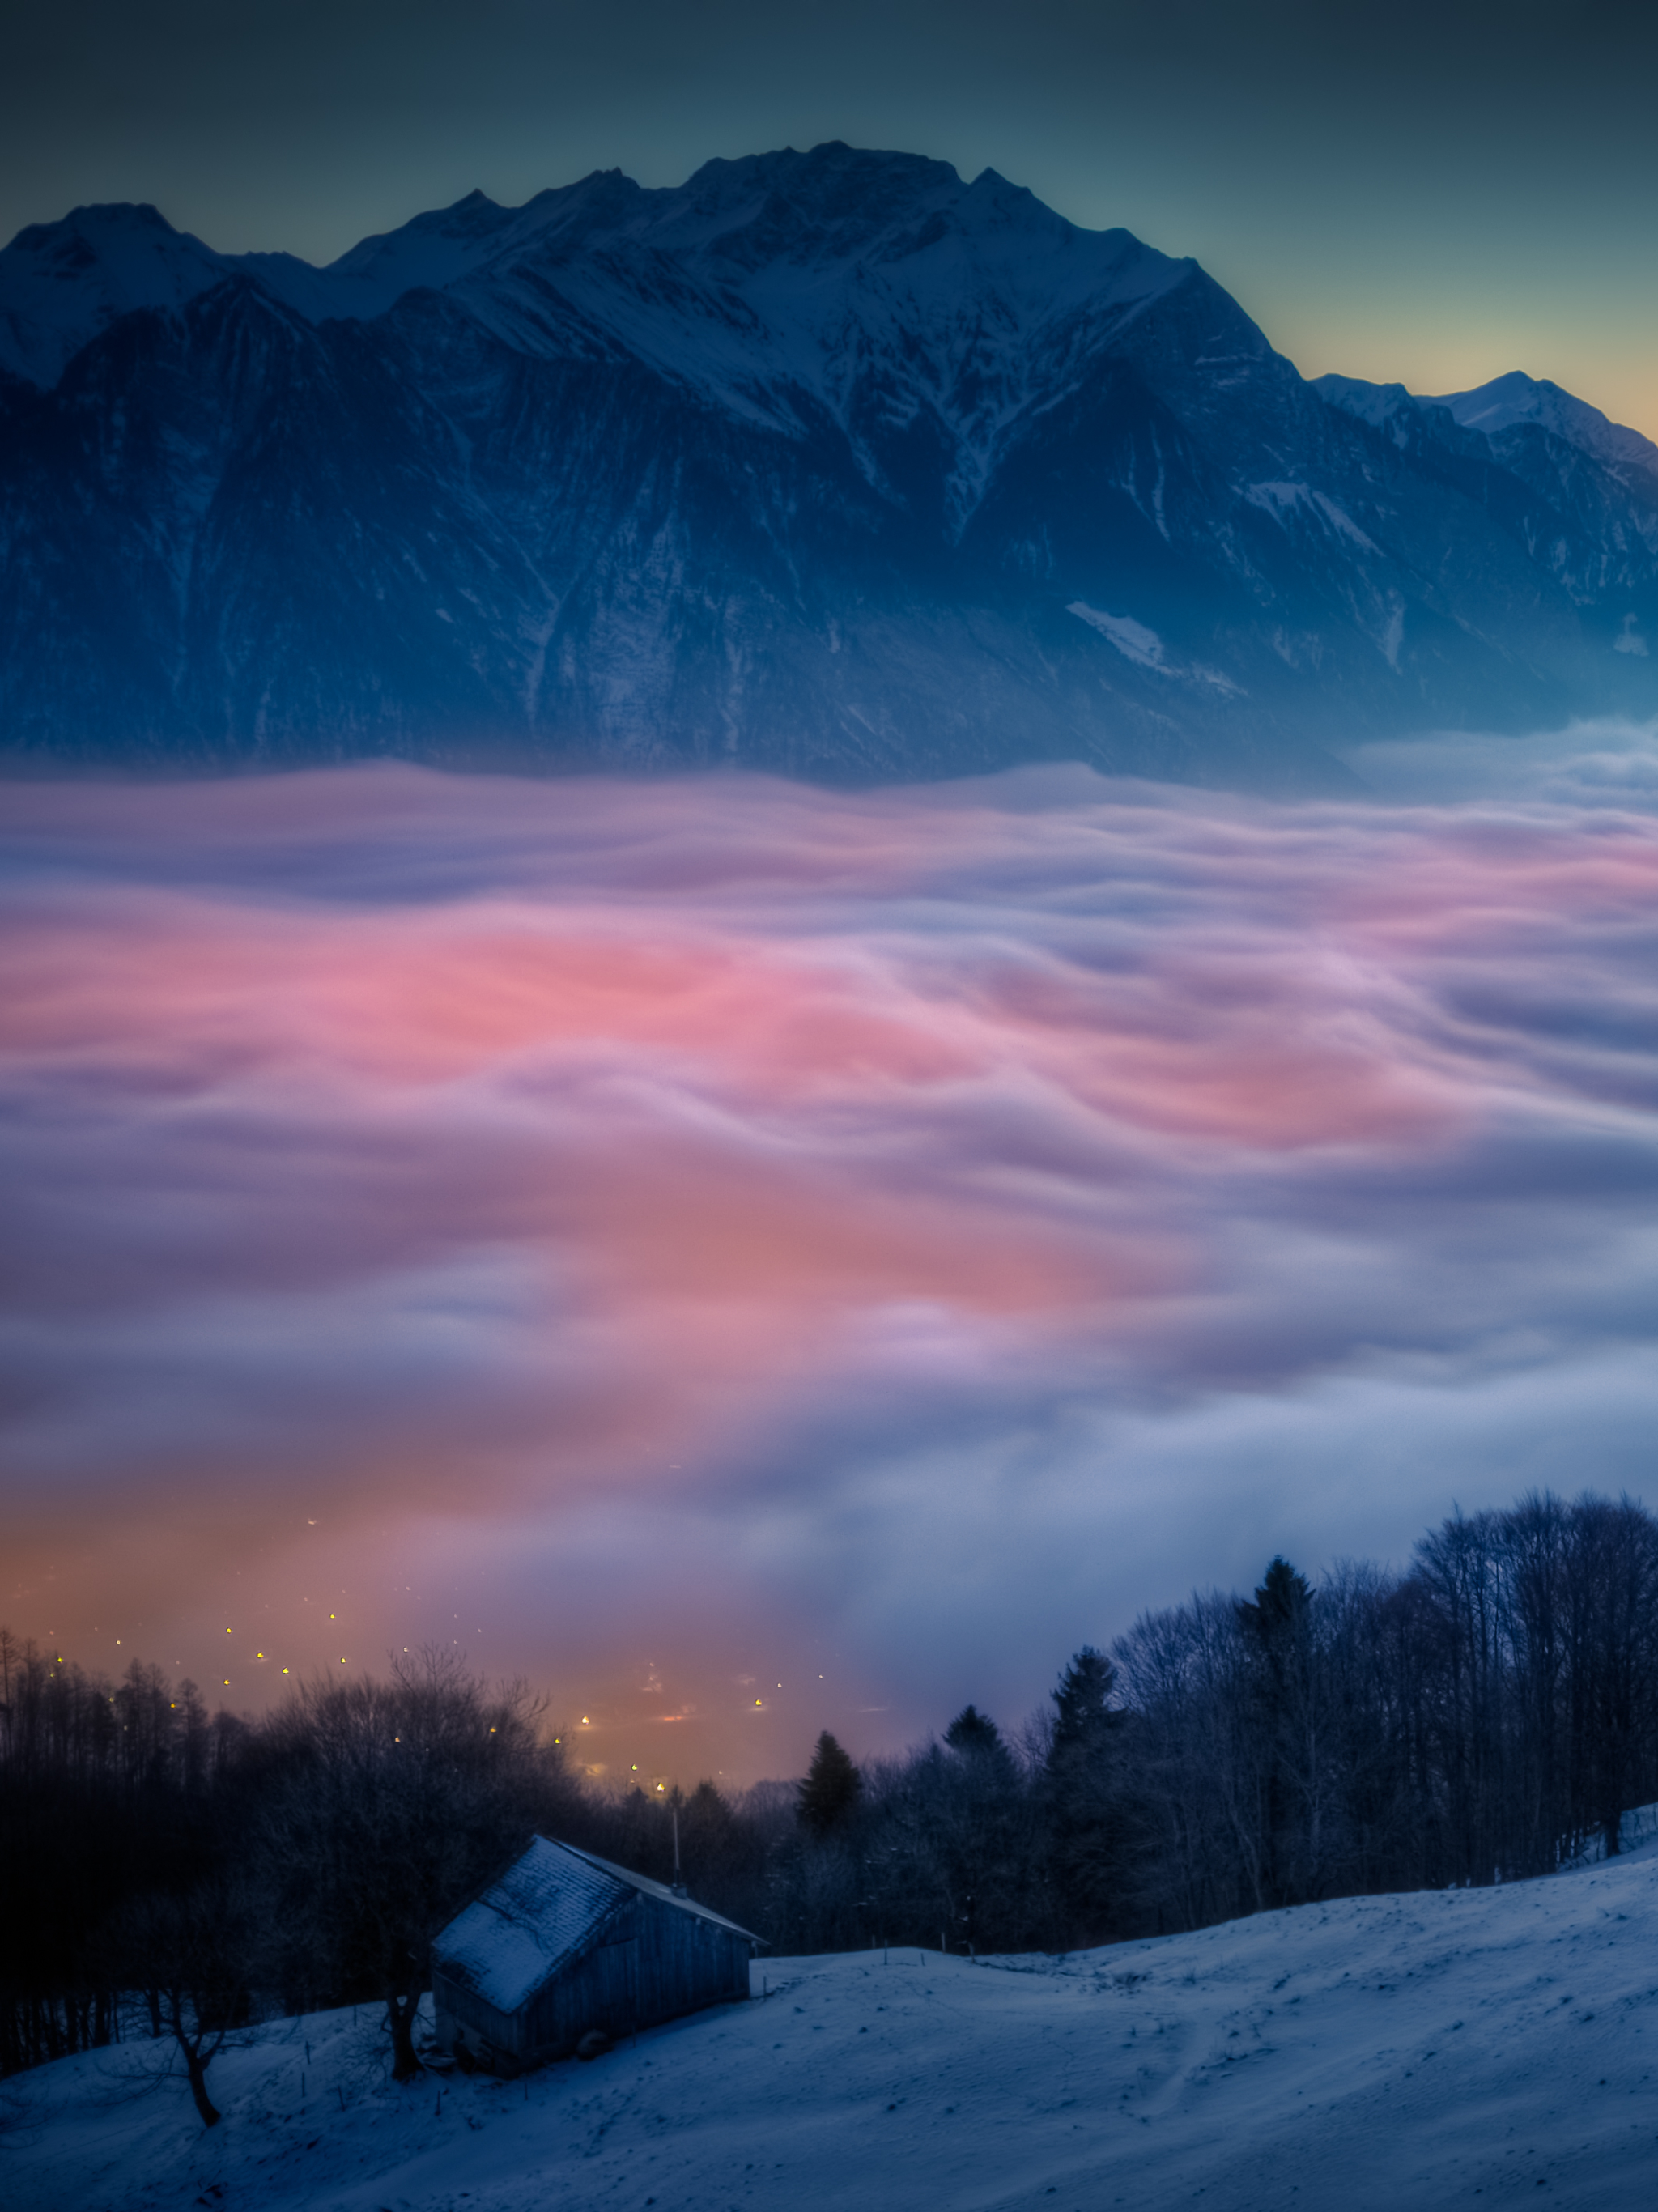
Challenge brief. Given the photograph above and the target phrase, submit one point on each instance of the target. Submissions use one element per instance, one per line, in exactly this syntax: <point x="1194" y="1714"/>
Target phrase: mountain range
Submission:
<point x="829" y="462"/>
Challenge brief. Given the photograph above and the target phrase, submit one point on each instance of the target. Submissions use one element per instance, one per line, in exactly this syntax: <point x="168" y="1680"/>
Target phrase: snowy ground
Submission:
<point x="1434" y="2050"/>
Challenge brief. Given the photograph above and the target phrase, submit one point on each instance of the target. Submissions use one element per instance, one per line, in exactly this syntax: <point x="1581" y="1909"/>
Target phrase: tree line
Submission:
<point x="1484" y="1714"/>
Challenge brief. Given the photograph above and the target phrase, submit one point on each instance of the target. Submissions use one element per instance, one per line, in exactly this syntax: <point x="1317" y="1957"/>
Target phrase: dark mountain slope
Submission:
<point x="828" y="463"/>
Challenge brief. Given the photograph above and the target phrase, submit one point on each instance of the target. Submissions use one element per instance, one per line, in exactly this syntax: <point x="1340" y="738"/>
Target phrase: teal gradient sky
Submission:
<point x="1430" y="194"/>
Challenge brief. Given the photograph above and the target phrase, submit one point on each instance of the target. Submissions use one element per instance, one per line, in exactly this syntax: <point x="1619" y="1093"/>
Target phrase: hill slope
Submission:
<point x="1443" y="2049"/>
<point x="825" y="462"/>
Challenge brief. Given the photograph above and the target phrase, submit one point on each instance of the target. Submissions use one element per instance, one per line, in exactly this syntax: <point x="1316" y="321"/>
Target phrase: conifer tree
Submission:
<point x="973" y="1731"/>
<point x="1277" y="1619"/>
<point x="830" y="1792"/>
<point x="1277" y="1642"/>
<point x="986" y="1853"/>
<point x="1087" y="1828"/>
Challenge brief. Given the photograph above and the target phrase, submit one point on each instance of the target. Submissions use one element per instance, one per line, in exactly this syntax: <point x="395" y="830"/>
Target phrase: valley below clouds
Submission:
<point x="752" y="1258"/>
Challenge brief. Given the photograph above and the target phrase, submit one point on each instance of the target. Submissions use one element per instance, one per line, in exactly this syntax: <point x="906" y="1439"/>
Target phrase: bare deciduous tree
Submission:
<point x="398" y="1798"/>
<point x="198" y="1954"/>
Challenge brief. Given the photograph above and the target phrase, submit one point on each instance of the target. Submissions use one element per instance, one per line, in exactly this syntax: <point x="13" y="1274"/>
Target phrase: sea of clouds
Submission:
<point x="686" y="1239"/>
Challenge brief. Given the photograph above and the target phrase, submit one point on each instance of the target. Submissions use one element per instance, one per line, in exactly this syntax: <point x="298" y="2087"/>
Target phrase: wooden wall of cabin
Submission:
<point x="455" y="2009"/>
<point x="653" y="1963"/>
<point x="685" y="1961"/>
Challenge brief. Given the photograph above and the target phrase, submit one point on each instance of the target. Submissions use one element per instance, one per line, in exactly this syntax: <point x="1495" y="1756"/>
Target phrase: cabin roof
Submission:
<point x="544" y="1912"/>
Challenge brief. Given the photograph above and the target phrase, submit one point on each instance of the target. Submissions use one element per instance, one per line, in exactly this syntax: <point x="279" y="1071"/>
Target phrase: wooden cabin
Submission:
<point x="564" y="1942"/>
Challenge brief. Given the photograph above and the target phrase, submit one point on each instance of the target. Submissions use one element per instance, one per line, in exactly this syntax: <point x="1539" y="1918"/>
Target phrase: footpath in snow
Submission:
<point x="1452" y="2048"/>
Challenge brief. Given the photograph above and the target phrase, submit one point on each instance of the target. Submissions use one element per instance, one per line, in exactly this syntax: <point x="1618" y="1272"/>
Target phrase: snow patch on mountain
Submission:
<point x="1132" y="639"/>
<point x="1283" y="500"/>
<point x="1146" y="649"/>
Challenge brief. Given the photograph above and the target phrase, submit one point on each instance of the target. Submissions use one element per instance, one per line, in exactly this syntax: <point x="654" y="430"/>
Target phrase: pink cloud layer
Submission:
<point x="528" y="1162"/>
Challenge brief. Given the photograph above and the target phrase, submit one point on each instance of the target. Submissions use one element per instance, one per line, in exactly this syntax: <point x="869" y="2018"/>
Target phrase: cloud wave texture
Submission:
<point x="664" y="1235"/>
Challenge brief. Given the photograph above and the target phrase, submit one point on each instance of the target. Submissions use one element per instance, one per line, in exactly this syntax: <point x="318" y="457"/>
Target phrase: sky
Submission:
<point x="1434" y="194"/>
<point x="751" y="1259"/>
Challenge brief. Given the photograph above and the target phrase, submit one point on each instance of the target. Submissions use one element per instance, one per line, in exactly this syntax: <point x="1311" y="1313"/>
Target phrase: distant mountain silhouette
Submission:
<point x="825" y="462"/>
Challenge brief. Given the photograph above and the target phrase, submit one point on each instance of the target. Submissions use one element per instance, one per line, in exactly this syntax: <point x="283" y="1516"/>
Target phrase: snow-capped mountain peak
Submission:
<point x="1517" y="398"/>
<point x="830" y="460"/>
<point x="1506" y="403"/>
<point x="63" y="283"/>
<point x="430" y="253"/>
<point x="777" y="261"/>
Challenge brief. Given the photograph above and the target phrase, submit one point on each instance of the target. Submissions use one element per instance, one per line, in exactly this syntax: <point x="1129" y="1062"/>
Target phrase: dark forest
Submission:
<point x="1485" y="1716"/>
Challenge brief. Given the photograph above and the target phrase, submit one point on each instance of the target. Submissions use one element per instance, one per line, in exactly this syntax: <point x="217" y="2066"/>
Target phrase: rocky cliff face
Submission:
<point x="826" y="463"/>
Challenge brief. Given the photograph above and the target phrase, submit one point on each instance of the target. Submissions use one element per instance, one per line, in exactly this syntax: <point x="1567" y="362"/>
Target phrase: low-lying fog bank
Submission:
<point x="755" y="1259"/>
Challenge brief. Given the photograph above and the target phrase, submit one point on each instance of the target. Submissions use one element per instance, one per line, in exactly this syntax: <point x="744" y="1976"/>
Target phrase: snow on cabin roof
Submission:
<point x="643" y="1883"/>
<point x="544" y="1910"/>
<point x="541" y="1914"/>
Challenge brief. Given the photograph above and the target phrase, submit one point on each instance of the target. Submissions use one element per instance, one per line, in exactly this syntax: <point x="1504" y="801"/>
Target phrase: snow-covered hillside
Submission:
<point x="1436" y="2050"/>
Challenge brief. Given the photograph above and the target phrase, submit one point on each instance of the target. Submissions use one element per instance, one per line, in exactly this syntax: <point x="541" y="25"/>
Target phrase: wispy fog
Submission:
<point x="1588" y="764"/>
<point x="718" y="1234"/>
